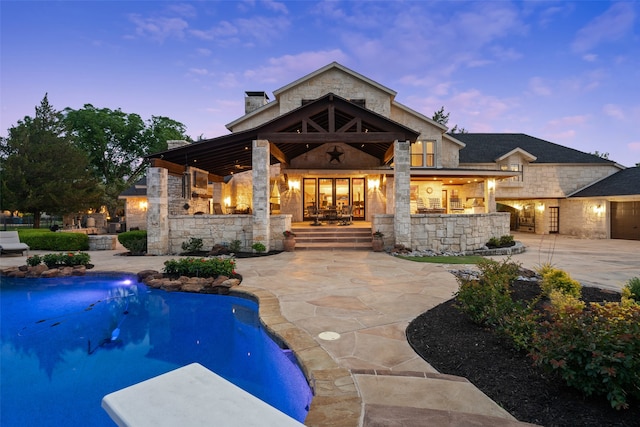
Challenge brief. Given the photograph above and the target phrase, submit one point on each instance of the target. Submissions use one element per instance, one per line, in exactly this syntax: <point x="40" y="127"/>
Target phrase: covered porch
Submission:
<point x="328" y="155"/>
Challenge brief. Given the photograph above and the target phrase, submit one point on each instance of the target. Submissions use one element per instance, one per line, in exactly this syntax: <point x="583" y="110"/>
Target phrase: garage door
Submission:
<point x="625" y="220"/>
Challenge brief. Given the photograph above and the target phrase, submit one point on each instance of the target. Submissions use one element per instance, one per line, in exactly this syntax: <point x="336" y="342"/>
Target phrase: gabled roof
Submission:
<point x="623" y="183"/>
<point x="453" y="139"/>
<point x="138" y="189"/>
<point x="334" y="65"/>
<point x="421" y="116"/>
<point x="326" y="120"/>
<point x="528" y="156"/>
<point x="488" y="147"/>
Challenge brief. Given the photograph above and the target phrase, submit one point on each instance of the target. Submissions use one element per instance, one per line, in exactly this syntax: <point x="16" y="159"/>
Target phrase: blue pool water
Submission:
<point x="58" y="358"/>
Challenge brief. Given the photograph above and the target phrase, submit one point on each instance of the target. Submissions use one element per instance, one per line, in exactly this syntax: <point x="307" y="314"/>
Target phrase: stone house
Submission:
<point x="336" y="140"/>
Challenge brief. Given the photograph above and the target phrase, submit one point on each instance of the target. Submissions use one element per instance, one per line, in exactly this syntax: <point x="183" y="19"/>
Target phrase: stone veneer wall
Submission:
<point x="342" y="84"/>
<point x="177" y="202"/>
<point x="219" y="229"/>
<point x="135" y="216"/>
<point x="553" y="180"/>
<point x="459" y="233"/>
<point x="579" y="218"/>
<point x="105" y="242"/>
<point x="212" y="229"/>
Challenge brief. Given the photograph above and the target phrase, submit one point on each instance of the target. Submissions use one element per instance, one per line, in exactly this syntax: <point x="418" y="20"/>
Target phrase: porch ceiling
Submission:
<point x="329" y="119"/>
<point x="460" y="176"/>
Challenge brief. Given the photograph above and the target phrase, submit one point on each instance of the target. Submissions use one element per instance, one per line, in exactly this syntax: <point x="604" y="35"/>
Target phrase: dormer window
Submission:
<point x="514" y="167"/>
<point x="423" y="154"/>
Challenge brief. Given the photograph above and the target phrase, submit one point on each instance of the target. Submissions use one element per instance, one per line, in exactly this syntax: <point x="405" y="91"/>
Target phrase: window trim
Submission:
<point x="427" y="159"/>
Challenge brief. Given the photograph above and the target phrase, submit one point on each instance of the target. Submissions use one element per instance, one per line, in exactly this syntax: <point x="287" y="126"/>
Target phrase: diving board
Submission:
<point x="191" y="396"/>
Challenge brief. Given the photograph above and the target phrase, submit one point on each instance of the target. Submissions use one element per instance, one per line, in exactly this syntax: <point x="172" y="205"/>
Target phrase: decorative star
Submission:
<point x="335" y="155"/>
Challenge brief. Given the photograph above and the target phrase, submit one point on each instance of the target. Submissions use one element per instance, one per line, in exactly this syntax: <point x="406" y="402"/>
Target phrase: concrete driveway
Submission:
<point x="605" y="264"/>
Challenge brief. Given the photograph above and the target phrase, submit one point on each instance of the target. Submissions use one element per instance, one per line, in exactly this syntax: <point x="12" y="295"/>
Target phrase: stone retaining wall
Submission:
<point x="221" y="229"/>
<point x="442" y="232"/>
<point x="104" y="242"/>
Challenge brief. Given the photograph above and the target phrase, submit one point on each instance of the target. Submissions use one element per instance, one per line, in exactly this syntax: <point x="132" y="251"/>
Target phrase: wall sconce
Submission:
<point x="374" y="184"/>
<point x="143" y="205"/>
<point x="491" y="184"/>
<point x="518" y="206"/>
<point x="598" y="209"/>
<point x="540" y="207"/>
<point x="294" y="185"/>
<point x="227" y="201"/>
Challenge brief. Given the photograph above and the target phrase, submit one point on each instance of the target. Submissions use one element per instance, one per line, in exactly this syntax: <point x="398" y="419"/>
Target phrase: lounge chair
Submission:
<point x="10" y="242"/>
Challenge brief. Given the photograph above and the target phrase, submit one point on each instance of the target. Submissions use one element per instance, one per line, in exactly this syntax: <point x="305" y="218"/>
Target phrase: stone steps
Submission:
<point x="421" y="398"/>
<point x="351" y="237"/>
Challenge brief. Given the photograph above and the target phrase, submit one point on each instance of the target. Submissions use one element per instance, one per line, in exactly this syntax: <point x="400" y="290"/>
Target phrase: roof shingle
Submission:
<point x="487" y="147"/>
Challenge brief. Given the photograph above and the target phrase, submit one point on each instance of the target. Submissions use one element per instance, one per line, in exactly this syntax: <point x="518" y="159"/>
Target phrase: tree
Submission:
<point x="116" y="142"/>
<point x="443" y="118"/>
<point x="41" y="170"/>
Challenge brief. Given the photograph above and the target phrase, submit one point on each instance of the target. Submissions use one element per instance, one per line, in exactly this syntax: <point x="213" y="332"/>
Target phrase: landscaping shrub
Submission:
<point x="47" y="240"/>
<point x="631" y="289"/>
<point x="34" y="260"/>
<point x="544" y="268"/>
<point x="68" y="259"/>
<point x="487" y="299"/>
<point x="501" y="242"/>
<point x="259" y="247"/>
<point x="235" y="246"/>
<point x="520" y="324"/>
<point x="200" y="267"/>
<point x="135" y="241"/>
<point x="192" y="245"/>
<point x="555" y="279"/>
<point x="595" y="350"/>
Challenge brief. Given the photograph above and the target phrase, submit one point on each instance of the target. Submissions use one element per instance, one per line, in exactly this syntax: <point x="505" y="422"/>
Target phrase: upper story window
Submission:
<point x="514" y="167"/>
<point x="423" y="154"/>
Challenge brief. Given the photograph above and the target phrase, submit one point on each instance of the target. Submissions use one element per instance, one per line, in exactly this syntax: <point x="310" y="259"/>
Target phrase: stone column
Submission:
<point x="489" y="195"/>
<point x="402" y="193"/>
<point x="260" y="175"/>
<point x="157" y="211"/>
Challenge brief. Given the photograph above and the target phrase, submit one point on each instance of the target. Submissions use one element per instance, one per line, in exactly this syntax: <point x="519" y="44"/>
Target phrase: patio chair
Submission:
<point x="346" y="215"/>
<point x="314" y="212"/>
<point x="330" y="214"/>
<point x="10" y="242"/>
<point x="217" y="209"/>
<point x="421" y="208"/>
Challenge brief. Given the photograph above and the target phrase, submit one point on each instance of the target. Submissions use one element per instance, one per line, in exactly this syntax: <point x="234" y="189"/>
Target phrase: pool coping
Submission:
<point x="336" y="401"/>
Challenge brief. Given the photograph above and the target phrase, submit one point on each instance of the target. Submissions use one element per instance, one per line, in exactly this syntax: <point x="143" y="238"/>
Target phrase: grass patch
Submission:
<point x="467" y="259"/>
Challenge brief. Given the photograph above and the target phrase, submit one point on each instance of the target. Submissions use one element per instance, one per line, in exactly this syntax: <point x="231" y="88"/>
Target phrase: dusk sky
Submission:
<point x="566" y="72"/>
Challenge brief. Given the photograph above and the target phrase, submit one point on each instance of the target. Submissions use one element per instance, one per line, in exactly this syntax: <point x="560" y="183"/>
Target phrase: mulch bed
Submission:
<point x="454" y="345"/>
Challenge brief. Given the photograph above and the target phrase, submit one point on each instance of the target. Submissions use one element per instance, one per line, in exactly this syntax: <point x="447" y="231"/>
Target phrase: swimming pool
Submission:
<point x="65" y="343"/>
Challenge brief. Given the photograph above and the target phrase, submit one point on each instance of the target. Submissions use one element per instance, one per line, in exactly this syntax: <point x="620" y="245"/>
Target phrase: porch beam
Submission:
<point x="388" y="155"/>
<point x="278" y="154"/>
<point x="321" y="138"/>
<point x="178" y="170"/>
<point x="350" y="124"/>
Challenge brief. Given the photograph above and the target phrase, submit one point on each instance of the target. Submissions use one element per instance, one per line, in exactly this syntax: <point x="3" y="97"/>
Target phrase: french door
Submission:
<point x="554" y="219"/>
<point x="334" y="192"/>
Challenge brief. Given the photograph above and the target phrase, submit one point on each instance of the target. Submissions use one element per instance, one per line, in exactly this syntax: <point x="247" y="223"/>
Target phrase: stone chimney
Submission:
<point x="175" y="143"/>
<point x="254" y="100"/>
